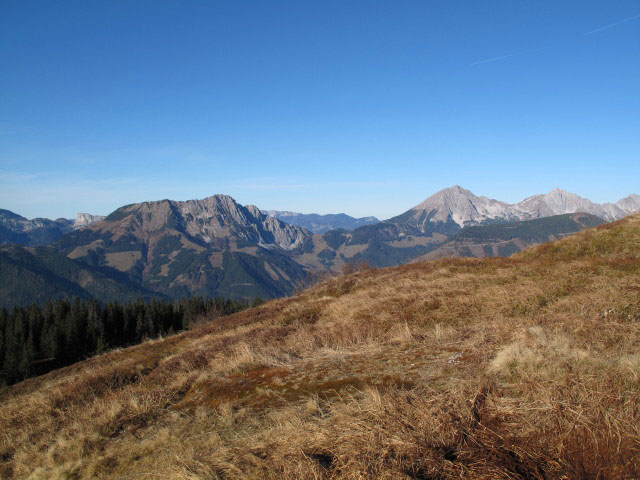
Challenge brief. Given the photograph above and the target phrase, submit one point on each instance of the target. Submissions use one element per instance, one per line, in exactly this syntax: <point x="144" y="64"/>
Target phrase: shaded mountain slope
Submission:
<point x="36" y="232"/>
<point x="36" y="274"/>
<point x="15" y="228"/>
<point x="526" y="367"/>
<point x="505" y="239"/>
<point x="381" y="244"/>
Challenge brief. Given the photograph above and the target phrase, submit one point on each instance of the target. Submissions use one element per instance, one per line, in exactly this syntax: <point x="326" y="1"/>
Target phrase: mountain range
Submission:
<point x="216" y="246"/>
<point x="321" y="223"/>
<point x="453" y="208"/>
<point x="39" y="231"/>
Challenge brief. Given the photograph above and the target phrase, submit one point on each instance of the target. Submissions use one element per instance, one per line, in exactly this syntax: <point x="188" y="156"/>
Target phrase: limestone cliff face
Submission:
<point x="464" y="208"/>
<point x="560" y="202"/>
<point x="85" y="219"/>
<point x="451" y="209"/>
<point x="629" y="205"/>
<point x="221" y="216"/>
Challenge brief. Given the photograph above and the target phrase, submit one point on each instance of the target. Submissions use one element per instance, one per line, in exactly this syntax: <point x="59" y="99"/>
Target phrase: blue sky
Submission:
<point x="363" y="107"/>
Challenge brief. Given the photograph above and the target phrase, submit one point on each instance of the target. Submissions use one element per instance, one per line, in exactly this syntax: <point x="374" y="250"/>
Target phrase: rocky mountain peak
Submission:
<point x="211" y="219"/>
<point x="559" y="202"/>
<point x="85" y="219"/>
<point x="463" y="207"/>
<point x="455" y="207"/>
<point x="629" y="204"/>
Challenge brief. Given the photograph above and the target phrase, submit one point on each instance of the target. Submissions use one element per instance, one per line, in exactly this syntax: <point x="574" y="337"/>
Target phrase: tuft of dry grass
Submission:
<point x="519" y="368"/>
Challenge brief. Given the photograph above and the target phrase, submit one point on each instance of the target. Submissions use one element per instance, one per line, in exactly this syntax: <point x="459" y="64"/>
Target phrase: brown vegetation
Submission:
<point x="518" y="368"/>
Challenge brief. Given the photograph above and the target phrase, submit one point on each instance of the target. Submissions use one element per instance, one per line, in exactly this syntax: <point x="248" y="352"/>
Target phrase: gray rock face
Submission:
<point x="630" y="204"/>
<point x="85" y="219"/>
<point x="217" y="218"/>
<point x="464" y="208"/>
<point x="559" y="202"/>
<point x="221" y="216"/>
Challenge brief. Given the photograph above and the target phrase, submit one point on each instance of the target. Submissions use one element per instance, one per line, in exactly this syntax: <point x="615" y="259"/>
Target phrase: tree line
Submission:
<point x="40" y="338"/>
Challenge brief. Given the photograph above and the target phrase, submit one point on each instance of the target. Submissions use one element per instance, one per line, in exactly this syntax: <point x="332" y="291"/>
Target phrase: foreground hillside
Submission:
<point x="526" y="367"/>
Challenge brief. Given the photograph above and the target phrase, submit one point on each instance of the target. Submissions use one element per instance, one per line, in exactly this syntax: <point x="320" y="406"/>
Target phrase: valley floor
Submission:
<point x="518" y="368"/>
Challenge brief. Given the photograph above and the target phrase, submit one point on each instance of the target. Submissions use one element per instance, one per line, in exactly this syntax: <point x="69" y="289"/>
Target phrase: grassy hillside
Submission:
<point x="509" y="368"/>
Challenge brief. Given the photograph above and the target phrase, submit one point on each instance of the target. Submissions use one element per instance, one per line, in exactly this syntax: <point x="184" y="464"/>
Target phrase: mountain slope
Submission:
<point x="505" y="239"/>
<point x="525" y="367"/>
<point x="213" y="246"/>
<point x="453" y="208"/>
<point x="377" y="245"/>
<point x="34" y="275"/>
<point x="38" y="231"/>
<point x="321" y="223"/>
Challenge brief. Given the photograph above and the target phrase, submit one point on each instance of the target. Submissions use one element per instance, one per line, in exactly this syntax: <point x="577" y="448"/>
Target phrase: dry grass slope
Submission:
<point x="519" y="368"/>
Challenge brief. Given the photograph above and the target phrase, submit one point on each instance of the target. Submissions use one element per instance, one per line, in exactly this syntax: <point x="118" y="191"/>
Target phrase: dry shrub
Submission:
<point x="356" y="266"/>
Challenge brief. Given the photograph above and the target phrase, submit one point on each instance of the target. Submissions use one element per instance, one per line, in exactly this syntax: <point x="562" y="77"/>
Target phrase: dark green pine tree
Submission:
<point x="140" y="327"/>
<point x="26" y="358"/>
<point x="95" y="327"/>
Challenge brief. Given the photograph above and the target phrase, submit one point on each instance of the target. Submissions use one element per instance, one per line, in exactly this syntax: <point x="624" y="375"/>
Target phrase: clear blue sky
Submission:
<point x="363" y="107"/>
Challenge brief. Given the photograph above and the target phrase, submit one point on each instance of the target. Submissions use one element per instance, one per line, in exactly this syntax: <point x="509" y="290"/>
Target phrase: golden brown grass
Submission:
<point x="520" y="368"/>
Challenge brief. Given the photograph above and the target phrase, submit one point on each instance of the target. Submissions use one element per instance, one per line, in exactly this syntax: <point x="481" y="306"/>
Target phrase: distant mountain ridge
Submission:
<point x="317" y="223"/>
<point x="15" y="228"/>
<point x="558" y="202"/>
<point x="453" y="208"/>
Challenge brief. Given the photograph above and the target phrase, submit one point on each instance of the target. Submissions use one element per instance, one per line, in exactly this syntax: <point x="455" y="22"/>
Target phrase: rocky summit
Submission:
<point x="453" y="208"/>
<point x="85" y="219"/>
<point x="213" y="246"/>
